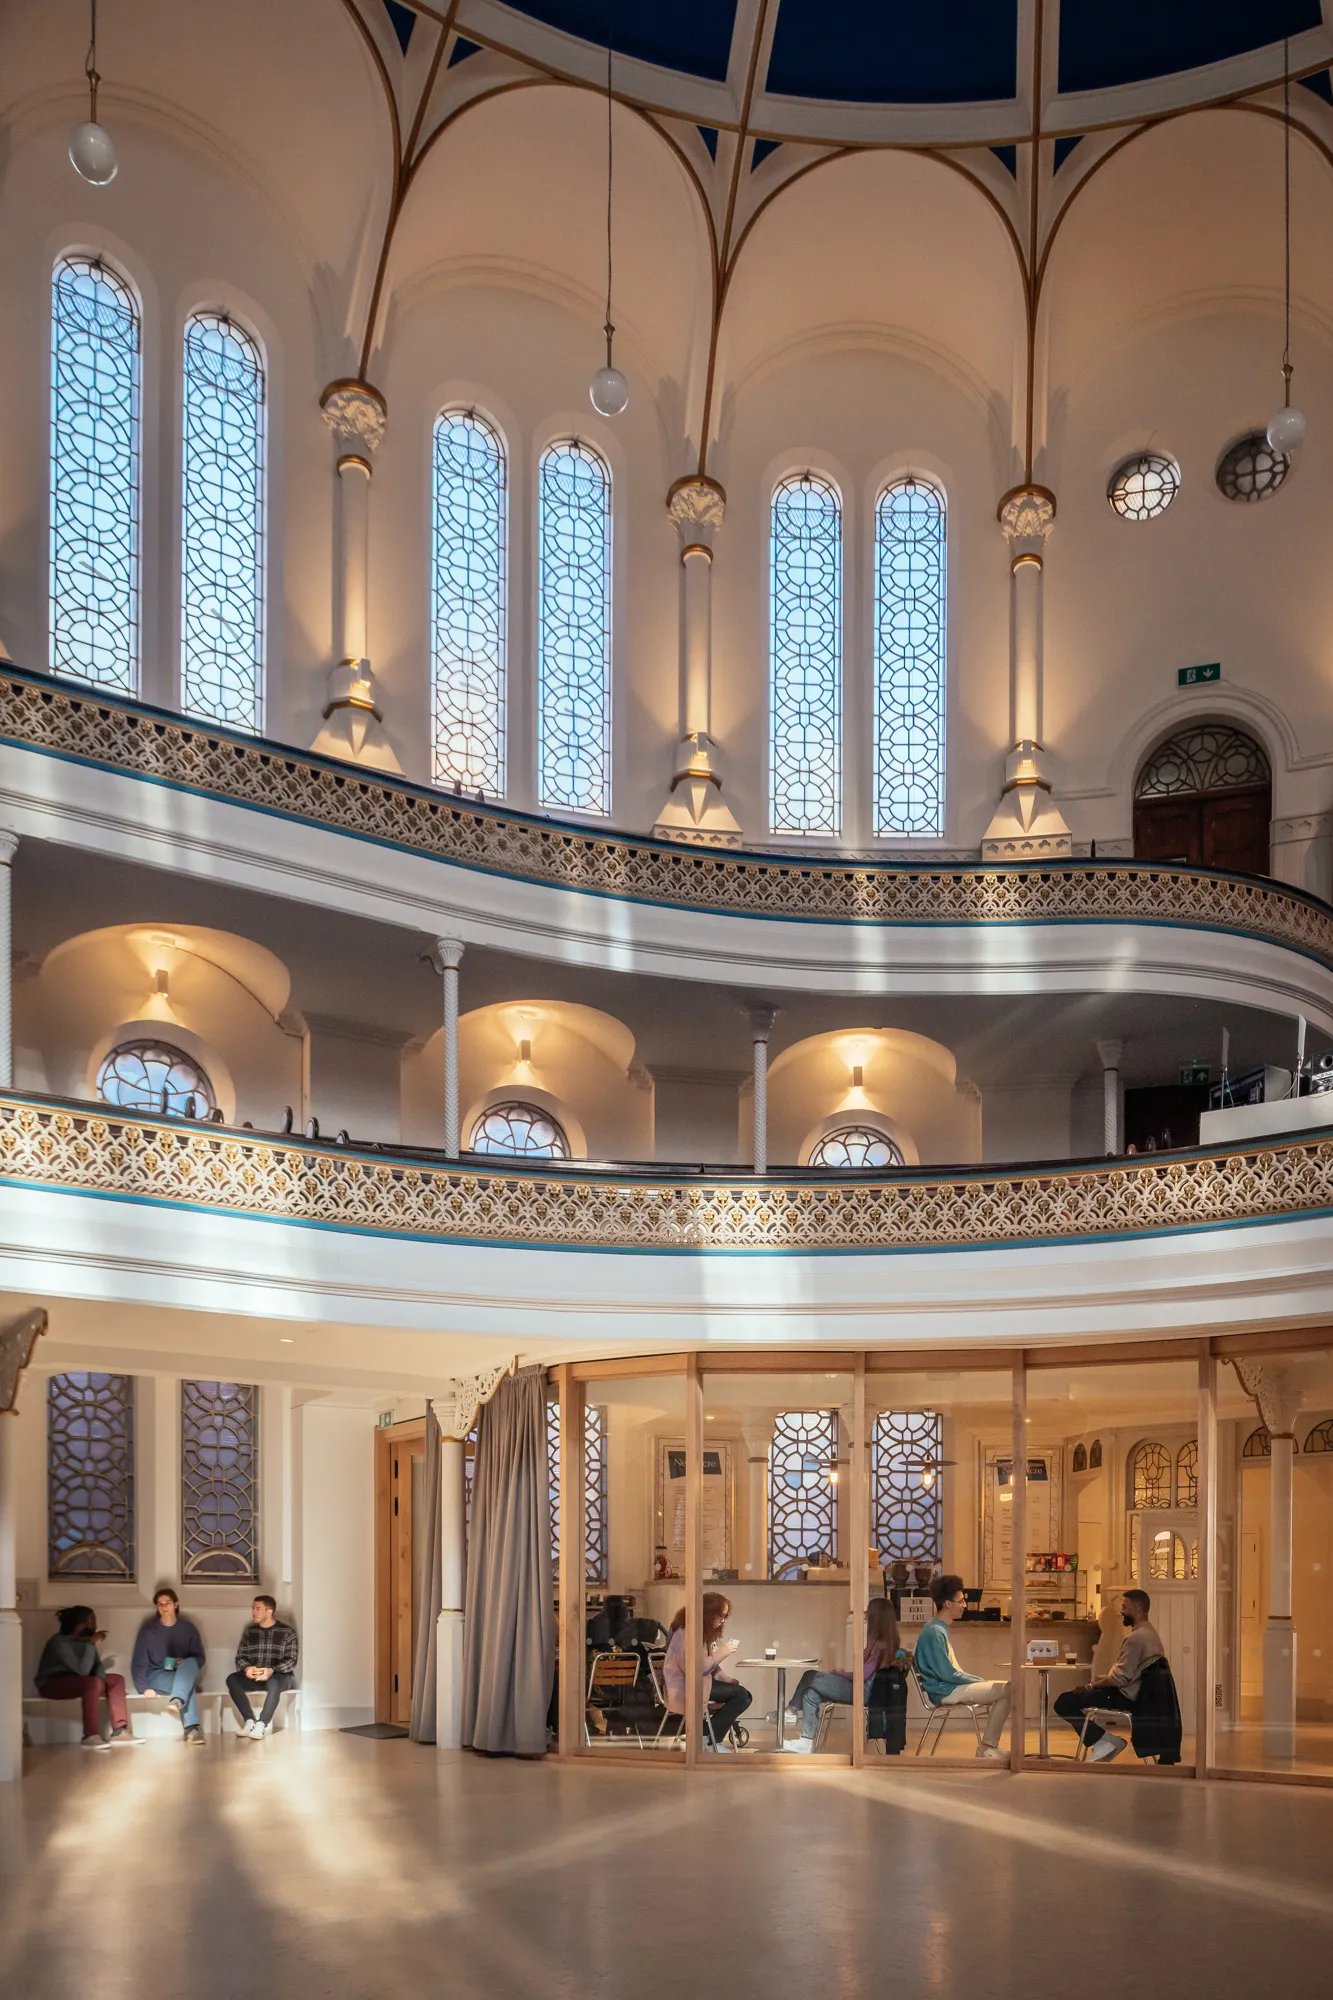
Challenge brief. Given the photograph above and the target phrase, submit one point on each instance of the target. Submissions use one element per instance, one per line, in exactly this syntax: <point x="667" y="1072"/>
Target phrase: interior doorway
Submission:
<point x="400" y="1463"/>
<point x="1205" y="797"/>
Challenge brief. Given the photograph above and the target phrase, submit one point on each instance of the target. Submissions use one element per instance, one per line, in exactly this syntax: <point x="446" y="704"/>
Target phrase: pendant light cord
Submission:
<point x="90" y="63"/>
<point x="608" y="328"/>
<point x="1285" y="221"/>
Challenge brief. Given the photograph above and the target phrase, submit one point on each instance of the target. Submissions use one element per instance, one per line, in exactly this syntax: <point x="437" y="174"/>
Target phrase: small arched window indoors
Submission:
<point x="1150" y="1476"/>
<point x="519" y="1132"/>
<point x="1205" y="797"/>
<point x="154" y="1076"/>
<point x="855" y="1147"/>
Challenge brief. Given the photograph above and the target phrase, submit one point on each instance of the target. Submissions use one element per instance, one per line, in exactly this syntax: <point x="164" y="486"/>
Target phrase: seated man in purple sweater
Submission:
<point x="168" y="1660"/>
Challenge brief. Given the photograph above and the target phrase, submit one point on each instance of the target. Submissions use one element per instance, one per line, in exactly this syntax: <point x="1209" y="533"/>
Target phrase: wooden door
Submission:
<point x="1168" y="830"/>
<point x="399" y="1463"/>
<point x="1236" y="830"/>
<point x="1251" y="1622"/>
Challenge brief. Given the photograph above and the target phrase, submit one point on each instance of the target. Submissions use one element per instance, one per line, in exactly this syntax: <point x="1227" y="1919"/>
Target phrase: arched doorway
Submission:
<point x="1205" y="796"/>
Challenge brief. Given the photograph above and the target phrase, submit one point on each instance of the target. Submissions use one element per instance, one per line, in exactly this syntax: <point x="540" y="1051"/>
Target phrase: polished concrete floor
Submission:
<point x="329" y="1865"/>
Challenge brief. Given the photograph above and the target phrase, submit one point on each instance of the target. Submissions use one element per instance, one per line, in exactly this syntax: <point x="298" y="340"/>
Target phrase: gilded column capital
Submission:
<point x="355" y="412"/>
<point x="697" y="505"/>
<point x="1026" y="516"/>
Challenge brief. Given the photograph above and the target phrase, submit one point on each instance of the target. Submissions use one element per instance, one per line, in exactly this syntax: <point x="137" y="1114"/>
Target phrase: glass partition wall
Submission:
<point x="792" y="1522"/>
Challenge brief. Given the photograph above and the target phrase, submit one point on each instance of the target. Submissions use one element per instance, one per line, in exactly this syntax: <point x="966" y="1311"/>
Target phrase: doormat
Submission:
<point x="379" y="1730"/>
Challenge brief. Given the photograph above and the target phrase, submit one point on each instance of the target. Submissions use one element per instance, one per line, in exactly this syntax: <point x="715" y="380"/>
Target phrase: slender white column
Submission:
<point x="761" y="1027"/>
<point x="758" y="1437"/>
<point x="1279" y="1631"/>
<point x="353" y="726"/>
<point x="449" y="1631"/>
<point x="1026" y="824"/>
<point x="8" y="849"/>
<point x="693" y="810"/>
<point x="352" y="574"/>
<point x="1110" y="1054"/>
<point x="446" y="958"/>
<point x="11" y="1628"/>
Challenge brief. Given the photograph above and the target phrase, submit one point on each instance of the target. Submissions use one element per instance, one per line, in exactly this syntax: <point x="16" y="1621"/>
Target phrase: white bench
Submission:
<point x="62" y="1721"/>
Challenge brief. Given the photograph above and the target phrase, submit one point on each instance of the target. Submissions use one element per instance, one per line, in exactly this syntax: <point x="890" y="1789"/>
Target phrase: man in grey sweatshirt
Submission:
<point x="1139" y="1648"/>
<point x="71" y="1669"/>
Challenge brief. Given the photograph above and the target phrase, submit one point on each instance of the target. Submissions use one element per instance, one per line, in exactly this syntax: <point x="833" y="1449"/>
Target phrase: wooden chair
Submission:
<point x="611" y="1677"/>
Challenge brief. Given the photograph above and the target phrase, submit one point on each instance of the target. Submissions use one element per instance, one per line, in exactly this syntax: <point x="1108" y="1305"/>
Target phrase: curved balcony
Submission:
<point x="128" y="779"/>
<point x="103" y="1205"/>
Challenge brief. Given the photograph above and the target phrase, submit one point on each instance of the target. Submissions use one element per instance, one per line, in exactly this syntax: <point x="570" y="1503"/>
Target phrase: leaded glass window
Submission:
<point x="94" y="582"/>
<point x="519" y="1131"/>
<point x="1321" y="1437"/>
<point x="802" y="1489"/>
<point x="220" y="1481"/>
<point x="805" y="663"/>
<point x="906" y="1449"/>
<point x="1187" y="1474"/>
<point x="595" y="1544"/>
<point x="90" y="1475"/>
<point x="153" y="1076"/>
<point x="1150" y="1476"/>
<point x="1258" y="1444"/>
<point x="1209" y="757"/>
<point x="910" y="573"/>
<point x="574" y="630"/>
<point x="853" y="1147"/>
<point x="222" y="523"/>
<point x="468" y="584"/>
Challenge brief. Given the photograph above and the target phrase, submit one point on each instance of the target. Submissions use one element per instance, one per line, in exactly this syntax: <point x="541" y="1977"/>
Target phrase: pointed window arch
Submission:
<point x="222" y="523"/>
<point x="910" y="664"/>
<point x="95" y="474"/>
<point x="468" y="603"/>
<point x="805" y="657"/>
<point x="574" y="630"/>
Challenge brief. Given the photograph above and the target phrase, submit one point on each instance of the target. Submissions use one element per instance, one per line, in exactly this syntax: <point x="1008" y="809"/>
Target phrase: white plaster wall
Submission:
<point x="335" y="1459"/>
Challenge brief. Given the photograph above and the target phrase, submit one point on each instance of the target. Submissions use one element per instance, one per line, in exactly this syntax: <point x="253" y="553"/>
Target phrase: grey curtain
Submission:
<point x="427" y="1534"/>
<point x="508" y="1635"/>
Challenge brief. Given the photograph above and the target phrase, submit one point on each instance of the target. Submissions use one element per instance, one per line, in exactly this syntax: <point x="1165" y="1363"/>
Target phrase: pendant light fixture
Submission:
<point x="608" y="389"/>
<point x="1286" y="429"/>
<point x="92" y="150"/>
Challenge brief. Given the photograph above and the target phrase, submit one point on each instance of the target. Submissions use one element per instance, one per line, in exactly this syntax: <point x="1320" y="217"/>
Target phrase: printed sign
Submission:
<point x="1188" y="677"/>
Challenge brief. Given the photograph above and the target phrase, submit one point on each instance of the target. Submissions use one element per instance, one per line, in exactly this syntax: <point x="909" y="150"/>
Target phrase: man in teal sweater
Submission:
<point x="944" y="1680"/>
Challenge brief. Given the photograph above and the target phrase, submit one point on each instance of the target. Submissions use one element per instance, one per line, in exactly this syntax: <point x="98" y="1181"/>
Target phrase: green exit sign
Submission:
<point x="1188" y="677"/>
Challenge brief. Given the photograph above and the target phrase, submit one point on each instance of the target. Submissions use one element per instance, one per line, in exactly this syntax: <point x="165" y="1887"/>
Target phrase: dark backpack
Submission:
<point x="886" y="1709"/>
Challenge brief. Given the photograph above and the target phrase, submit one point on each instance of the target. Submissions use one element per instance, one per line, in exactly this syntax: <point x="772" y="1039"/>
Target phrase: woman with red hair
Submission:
<point x="725" y="1701"/>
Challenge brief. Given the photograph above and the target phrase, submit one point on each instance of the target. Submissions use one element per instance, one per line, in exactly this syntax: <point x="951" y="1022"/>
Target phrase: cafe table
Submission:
<point x="781" y="1667"/>
<point x="1079" y="1673"/>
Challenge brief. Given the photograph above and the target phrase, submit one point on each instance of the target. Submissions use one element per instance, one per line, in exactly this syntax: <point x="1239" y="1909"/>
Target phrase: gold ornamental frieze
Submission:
<point x="247" y="1174"/>
<point x="131" y="738"/>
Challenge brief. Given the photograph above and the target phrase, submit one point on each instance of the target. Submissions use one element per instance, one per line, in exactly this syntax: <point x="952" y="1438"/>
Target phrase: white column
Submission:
<point x="758" y="1437"/>
<point x="1279" y="1631"/>
<point x="446" y="958"/>
<point x="353" y="728"/>
<point x="693" y="811"/>
<point x="761" y="1027"/>
<point x="11" y="1627"/>
<point x="1109" y="1054"/>
<point x="8" y="849"/>
<point x="449" y="1631"/>
<point x="1026" y="825"/>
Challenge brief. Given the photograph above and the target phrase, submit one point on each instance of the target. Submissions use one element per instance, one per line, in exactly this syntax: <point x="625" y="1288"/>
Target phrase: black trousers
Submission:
<point x="240" y="1689"/>
<point x="728" y="1704"/>
<point x="1074" y="1703"/>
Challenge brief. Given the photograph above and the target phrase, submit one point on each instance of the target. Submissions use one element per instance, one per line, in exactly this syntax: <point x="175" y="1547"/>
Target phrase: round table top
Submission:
<point x="1057" y="1666"/>
<point x="775" y="1663"/>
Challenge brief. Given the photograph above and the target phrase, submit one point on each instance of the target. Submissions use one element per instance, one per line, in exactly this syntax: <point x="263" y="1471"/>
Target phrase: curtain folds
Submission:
<point x="421" y="1728"/>
<point x="509" y="1646"/>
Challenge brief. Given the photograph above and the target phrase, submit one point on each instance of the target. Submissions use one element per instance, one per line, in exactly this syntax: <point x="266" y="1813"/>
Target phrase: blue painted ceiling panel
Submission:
<point x="1104" y="46"/>
<point x="693" y="36"/>
<point x="882" y="52"/>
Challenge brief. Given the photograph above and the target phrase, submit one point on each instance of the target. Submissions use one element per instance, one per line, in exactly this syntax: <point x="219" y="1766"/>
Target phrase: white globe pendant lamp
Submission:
<point x="92" y="150"/>
<point x="1286" y="427"/>
<point x="608" y="391"/>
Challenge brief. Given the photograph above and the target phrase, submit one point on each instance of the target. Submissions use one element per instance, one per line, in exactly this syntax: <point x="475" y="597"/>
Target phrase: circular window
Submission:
<point x="521" y="1131"/>
<point x="853" y="1146"/>
<point x="1144" y="486"/>
<point x="152" y="1076"/>
<point x="1250" y="469"/>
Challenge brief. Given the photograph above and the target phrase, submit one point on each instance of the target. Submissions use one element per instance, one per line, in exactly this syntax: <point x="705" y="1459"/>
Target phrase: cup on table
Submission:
<point x="770" y="1652"/>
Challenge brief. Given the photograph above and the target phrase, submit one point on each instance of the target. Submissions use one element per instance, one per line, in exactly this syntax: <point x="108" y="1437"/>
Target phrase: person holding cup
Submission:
<point x="168" y="1660"/>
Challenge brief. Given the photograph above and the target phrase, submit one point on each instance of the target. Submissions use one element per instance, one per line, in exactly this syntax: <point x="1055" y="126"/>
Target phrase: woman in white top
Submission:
<point x="724" y="1700"/>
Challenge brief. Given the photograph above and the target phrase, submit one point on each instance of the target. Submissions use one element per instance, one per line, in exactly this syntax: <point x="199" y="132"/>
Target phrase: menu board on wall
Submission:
<point x="717" y="1505"/>
<point x="1044" y="1511"/>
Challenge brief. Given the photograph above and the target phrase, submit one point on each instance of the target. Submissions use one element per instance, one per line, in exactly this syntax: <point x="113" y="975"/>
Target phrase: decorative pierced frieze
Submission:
<point x="129" y="737"/>
<point x="155" y="1160"/>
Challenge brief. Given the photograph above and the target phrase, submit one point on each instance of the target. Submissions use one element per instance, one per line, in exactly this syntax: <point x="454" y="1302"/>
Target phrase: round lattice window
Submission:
<point x="521" y="1131"/>
<point x="1144" y="486"/>
<point x="1250" y="469"/>
<point x="853" y="1146"/>
<point x="152" y="1076"/>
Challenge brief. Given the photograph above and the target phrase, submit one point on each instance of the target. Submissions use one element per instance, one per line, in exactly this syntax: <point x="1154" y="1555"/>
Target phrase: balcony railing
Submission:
<point x="158" y="745"/>
<point x="91" y="1150"/>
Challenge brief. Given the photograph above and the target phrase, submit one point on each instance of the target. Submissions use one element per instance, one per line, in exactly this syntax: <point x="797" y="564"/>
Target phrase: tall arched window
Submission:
<point x="222" y="523"/>
<point x="909" y="658"/>
<point x="805" y="661"/>
<point x="574" y="630"/>
<point x="94" y="582"/>
<point x="1150" y="1476"/>
<point x="468" y="583"/>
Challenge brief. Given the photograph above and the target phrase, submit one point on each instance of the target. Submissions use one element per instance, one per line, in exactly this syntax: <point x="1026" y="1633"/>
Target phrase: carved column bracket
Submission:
<point x="694" y="812"/>
<point x="353" y="726"/>
<point x="1026" y="826"/>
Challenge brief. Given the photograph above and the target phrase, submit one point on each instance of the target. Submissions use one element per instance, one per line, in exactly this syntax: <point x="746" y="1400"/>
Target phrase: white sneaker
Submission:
<point x="1109" y="1747"/>
<point x="802" y="1747"/>
<point x="263" y="1729"/>
<point x="251" y="1728"/>
<point x="993" y="1752"/>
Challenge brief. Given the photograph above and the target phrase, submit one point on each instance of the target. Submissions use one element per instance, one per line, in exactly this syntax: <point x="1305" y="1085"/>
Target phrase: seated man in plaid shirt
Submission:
<point x="265" y="1658"/>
